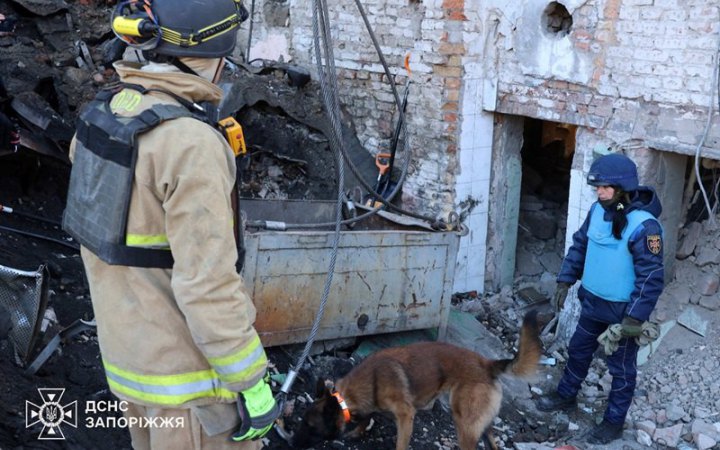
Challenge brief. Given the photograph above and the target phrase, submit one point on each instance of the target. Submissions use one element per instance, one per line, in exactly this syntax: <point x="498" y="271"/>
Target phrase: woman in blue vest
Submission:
<point x="617" y="255"/>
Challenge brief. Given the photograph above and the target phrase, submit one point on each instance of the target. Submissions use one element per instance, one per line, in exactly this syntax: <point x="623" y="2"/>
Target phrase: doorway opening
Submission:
<point x="547" y="153"/>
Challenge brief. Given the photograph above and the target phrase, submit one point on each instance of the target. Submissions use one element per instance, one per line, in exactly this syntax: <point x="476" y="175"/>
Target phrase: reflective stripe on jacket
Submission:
<point x="180" y="388"/>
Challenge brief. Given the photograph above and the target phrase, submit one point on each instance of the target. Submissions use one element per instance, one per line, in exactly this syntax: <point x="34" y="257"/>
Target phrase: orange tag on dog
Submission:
<point x="343" y="405"/>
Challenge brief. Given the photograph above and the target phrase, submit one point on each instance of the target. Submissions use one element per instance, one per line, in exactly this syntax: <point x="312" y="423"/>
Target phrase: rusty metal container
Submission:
<point x="388" y="277"/>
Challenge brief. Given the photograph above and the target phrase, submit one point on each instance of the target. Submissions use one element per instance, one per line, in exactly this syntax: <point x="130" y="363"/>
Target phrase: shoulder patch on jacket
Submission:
<point x="654" y="243"/>
<point x="126" y="99"/>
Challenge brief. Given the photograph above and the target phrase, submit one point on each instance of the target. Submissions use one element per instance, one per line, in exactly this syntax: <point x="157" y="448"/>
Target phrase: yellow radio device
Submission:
<point x="234" y="135"/>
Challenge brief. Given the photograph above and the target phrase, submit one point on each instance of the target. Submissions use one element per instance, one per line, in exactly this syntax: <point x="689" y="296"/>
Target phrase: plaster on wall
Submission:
<point x="273" y="46"/>
<point x="549" y="56"/>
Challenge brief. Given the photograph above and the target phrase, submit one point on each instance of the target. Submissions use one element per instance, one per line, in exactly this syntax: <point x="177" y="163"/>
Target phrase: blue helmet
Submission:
<point x="614" y="170"/>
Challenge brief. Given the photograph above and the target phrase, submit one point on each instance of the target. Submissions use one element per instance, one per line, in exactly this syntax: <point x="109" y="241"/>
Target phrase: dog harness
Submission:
<point x="343" y="405"/>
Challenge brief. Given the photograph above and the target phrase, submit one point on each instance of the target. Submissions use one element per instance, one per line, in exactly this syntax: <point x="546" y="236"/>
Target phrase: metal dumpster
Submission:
<point x="388" y="277"/>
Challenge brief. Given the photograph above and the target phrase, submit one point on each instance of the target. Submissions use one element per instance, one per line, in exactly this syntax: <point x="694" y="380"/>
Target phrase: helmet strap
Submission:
<point x="167" y="59"/>
<point x="175" y="61"/>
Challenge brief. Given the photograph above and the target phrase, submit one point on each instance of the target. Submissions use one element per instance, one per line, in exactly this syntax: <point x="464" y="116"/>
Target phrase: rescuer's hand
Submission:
<point x="258" y="411"/>
<point x="631" y="327"/>
<point x="560" y="293"/>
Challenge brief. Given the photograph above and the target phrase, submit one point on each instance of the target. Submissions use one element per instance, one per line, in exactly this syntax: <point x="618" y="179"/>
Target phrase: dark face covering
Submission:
<point x="617" y="206"/>
<point x="611" y="205"/>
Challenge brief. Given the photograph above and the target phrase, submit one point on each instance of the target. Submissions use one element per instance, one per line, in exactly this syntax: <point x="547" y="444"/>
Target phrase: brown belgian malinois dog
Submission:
<point x="402" y="380"/>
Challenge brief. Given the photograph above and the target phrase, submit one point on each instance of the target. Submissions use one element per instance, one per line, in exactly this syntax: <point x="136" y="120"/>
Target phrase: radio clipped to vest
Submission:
<point x="234" y="134"/>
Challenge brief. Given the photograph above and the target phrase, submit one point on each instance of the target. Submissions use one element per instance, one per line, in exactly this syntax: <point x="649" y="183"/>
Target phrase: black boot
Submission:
<point x="554" y="402"/>
<point x="605" y="433"/>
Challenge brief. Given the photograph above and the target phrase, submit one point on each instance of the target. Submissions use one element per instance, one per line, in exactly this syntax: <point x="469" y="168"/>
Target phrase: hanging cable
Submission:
<point x="328" y="83"/>
<point x="435" y="223"/>
<point x="39" y="236"/>
<point x="250" y="31"/>
<point x="12" y="211"/>
<point x="708" y="124"/>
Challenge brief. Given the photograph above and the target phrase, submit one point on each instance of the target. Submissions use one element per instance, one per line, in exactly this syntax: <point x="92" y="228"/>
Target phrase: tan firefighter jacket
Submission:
<point x="182" y="337"/>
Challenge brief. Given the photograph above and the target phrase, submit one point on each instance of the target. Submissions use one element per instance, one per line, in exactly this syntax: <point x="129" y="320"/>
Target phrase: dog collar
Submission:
<point x="343" y="405"/>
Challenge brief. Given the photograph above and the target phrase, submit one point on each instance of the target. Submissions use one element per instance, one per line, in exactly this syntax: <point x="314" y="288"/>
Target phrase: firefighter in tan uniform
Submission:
<point x="150" y="202"/>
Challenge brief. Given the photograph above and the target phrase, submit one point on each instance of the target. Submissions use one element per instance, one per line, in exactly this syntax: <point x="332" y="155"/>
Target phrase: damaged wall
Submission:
<point x="633" y="72"/>
<point x="635" y="75"/>
<point x="432" y="32"/>
<point x="630" y="69"/>
<point x="450" y="136"/>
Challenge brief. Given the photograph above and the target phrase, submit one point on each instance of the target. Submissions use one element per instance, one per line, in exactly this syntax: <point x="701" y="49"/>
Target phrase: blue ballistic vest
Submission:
<point x="609" y="272"/>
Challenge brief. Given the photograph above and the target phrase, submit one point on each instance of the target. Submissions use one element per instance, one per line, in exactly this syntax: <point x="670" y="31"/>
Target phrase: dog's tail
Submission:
<point x="526" y="361"/>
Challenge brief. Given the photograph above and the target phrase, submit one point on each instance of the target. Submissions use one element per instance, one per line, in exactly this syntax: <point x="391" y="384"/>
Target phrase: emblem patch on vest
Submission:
<point x="127" y="100"/>
<point x="654" y="243"/>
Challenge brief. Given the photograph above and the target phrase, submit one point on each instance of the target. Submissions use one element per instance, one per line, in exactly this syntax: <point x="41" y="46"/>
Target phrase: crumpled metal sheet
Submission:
<point x="24" y="295"/>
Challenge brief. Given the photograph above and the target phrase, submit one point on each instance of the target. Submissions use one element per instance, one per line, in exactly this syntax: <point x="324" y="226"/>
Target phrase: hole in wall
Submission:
<point x="557" y="20"/>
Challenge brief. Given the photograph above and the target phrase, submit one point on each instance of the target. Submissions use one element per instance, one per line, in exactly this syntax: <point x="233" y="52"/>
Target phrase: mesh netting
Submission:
<point x="24" y="295"/>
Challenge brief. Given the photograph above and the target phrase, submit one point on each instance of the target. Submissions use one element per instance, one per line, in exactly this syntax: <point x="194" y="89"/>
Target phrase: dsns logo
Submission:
<point x="51" y="413"/>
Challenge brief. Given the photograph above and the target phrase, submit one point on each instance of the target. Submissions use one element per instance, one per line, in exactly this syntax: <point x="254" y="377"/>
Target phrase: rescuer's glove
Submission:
<point x="610" y="339"/>
<point x="560" y="294"/>
<point x="631" y="327"/>
<point x="258" y="411"/>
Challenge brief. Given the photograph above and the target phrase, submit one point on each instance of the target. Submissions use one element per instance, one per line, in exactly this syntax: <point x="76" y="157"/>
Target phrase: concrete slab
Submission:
<point x="464" y="330"/>
<point x="692" y="319"/>
<point x="644" y="353"/>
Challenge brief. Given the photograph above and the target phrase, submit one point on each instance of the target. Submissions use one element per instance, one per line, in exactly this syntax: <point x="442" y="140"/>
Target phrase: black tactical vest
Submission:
<point x="101" y="181"/>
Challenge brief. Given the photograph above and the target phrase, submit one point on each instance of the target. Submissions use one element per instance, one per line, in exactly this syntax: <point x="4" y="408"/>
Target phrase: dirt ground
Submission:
<point x="37" y="186"/>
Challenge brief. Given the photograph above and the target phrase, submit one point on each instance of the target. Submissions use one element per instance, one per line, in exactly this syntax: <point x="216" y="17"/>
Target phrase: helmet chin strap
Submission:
<point x="165" y="59"/>
<point x="175" y="61"/>
<point x="615" y="200"/>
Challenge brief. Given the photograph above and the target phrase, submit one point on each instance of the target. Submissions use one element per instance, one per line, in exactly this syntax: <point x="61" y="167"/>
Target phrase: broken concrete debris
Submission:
<point x="692" y="320"/>
<point x="7" y="25"/>
<point x="679" y="371"/>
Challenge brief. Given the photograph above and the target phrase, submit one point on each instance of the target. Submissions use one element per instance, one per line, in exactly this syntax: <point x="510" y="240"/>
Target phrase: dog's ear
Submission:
<point x="322" y="420"/>
<point x="321" y="389"/>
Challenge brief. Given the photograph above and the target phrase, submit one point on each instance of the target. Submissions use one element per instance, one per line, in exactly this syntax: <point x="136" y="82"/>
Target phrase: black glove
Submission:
<point x="631" y="327"/>
<point x="561" y="292"/>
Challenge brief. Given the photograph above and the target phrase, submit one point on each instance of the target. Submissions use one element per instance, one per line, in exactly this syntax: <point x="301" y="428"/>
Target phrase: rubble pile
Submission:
<point x="540" y="241"/>
<point x="676" y="403"/>
<point x="697" y="268"/>
<point x="54" y="59"/>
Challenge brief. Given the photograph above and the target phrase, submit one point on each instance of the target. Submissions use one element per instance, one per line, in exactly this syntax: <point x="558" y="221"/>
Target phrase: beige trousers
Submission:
<point x="189" y="437"/>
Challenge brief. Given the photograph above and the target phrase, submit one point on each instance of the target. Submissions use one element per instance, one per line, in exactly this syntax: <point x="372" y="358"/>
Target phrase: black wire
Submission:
<point x="34" y="217"/>
<point x="39" y="236"/>
<point x="250" y="31"/>
<point x="351" y="165"/>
